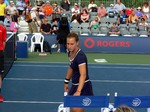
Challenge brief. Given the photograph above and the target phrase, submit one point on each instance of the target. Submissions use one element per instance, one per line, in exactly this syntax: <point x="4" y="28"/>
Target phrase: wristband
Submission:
<point x="66" y="81"/>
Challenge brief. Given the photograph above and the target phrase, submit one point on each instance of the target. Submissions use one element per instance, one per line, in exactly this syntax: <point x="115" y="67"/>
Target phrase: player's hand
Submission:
<point x="66" y="87"/>
<point x="77" y="93"/>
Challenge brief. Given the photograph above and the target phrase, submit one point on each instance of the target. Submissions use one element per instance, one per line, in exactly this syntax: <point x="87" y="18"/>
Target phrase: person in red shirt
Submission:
<point x="129" y="11"/>
<point x="2" y="47"/>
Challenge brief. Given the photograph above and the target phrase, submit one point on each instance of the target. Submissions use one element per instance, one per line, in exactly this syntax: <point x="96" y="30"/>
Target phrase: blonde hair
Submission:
<point x="124" y="108"/>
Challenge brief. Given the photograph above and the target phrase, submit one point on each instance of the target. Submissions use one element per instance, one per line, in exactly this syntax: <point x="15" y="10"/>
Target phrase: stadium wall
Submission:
<point x="108" y="44"/>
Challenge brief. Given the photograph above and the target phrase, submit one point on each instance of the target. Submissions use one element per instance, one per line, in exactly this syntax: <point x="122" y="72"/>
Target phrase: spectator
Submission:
<point x="28" y="6"/>
<point x="101" y="11"/>
<point x="10" y="8"/>
<point x="21" y="7"/>
<point x="45" y="27"/>
<point x="15" y="17"/>
<point x="56" y="12"/>
<point x="55" y="27"/>
<point x="92" y="7"/>
<point x="146" y="8"/>
<point x="124" y="108"/>
<point x="2" y="10"/>
<point x="75" y="9"/>
<point x="129" y="11"/>
<point x="14" y="25"/>
<point x="76" y="18"/>
<point x="132" y="18"/>
<point x="111" y="11"/>
<point x="7" y="21"/>
<point x="122" y="18"/>
<point x="139" y="13"/>
<point x="85" y="16"/>
<point x="143" y="23"/>
<point x="65" y="5"/>
<point x="95" y="23"/>
<point x="114" y="30"/>
<point x="31" y="20"/>
<point x="119" y="6"/>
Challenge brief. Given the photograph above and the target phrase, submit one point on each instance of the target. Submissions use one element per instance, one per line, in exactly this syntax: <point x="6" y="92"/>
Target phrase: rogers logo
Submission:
<point x="89" y="43"/>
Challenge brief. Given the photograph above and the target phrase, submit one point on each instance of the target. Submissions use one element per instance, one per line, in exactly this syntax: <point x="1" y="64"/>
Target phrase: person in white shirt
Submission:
<point x="10" y="8"/>
<point x="92" y="7"/>
<point x="21" y="7"/>
<point x="75" y="9"/>
<point x="119" y="6"/>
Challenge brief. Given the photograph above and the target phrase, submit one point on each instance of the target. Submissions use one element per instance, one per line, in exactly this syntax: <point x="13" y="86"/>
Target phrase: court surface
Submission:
<point x="38" y="87"/>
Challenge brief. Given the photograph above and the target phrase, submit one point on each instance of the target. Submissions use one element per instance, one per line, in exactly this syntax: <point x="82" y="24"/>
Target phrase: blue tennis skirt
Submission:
<point x="86" y="90"/>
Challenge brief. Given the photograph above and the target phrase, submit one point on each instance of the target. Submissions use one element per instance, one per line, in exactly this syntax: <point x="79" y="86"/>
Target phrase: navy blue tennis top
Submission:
<point x="79" y="59"/>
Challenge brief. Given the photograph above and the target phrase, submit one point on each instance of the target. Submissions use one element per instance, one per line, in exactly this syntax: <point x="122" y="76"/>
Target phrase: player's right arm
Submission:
<point x="67" y="79"/>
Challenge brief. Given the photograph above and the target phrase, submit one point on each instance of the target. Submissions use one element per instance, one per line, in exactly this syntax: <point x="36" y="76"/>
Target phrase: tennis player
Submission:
<point x="78" y="71"/>
<point x="2" y="46"/>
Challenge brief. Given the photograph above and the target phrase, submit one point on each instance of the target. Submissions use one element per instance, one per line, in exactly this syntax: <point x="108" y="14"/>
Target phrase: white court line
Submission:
<point x="62" y="66"/>
<point x="29" y="79"/>
<point x="110" y="64"/>
<point x="33" y="102"/>
<point x="60" y="80"/>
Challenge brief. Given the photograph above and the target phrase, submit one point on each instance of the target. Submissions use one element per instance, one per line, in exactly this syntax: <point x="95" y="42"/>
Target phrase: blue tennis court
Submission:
<point x="38" y="87"/>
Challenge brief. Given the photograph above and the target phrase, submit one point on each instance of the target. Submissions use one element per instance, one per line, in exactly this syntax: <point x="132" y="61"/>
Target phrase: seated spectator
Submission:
<point x="146" y="8"/>
<point x="54" y="27"/>
<point x="122" y="18"/>
<point x="111" y="11"/>
<point x="76" y="18"/>
<point x="45" y="27"/>
<point x="92" y="7"/>
<point x="75" y="9"/>
<point x="20" y="4"/>
<point x="139" y="13"/>
<point x="85" y="16"/>
<point x="132" y="18"/>
<point x="114" y="30"/>
<point x="129" y="10"/>
<point x="119" y="6"/>
<point x="101" y="11"/>
<point x="7" y="21"/>
<point x="56" y="12"/>
<point x="95" y="23"/>
<point x="143" y="23"/>
<point x="10" y="8"/>
<point x="124" y="108"/>
<point x="65" y="5"/>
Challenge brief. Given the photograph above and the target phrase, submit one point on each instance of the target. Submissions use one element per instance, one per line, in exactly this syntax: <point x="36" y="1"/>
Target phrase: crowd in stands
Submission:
<point x="94" y="19"/>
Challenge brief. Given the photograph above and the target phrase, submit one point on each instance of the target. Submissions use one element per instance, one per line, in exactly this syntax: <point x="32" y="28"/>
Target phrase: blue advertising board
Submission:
<point x="109" y="44"/>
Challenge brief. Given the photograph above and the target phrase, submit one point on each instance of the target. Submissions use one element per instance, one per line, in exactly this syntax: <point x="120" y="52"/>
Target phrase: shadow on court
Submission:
<point x="38" y="87"/>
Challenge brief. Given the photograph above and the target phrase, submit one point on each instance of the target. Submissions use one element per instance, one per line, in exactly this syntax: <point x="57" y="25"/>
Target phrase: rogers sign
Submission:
<point x="90" y="43"/>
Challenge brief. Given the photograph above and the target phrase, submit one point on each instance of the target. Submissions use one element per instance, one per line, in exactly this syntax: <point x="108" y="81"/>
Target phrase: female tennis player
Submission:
<point x="78" y="71"/>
